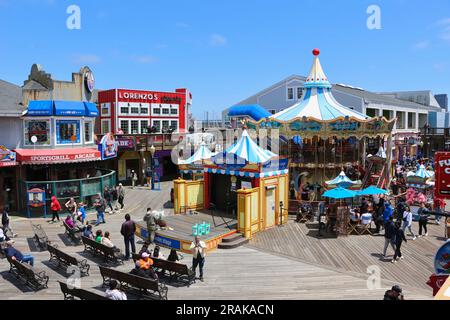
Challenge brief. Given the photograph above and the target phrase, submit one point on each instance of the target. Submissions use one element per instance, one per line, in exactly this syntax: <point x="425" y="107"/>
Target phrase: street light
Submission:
<point x="152" y="152"/>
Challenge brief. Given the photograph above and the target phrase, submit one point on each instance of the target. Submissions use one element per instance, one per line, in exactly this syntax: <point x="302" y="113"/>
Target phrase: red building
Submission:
<point x="134" y="111"/>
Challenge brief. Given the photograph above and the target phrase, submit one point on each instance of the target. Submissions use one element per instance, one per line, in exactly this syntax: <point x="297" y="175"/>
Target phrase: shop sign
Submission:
<point x="138" y="96"/>
<point x="442" y="167"/>
<point x="36" y="198"/>
<point x="108" y="146"/>
<point x="7" y="157"/>
<point x="126" y="143"/>
<point x="89" y="81"/>
<point x="62" y="157"/>
<point x="166" y="99"/>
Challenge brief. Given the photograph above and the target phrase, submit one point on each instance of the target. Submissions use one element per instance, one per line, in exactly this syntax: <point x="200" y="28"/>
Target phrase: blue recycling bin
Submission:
<point x="208" y="228"/>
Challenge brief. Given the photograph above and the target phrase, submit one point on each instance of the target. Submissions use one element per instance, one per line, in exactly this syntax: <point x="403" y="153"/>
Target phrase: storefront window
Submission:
<point x="174" y="125"/>
<point x="144" y="126"/>
<point x="157" y="124"/>
<point x="88" y="132"/>
<point x="134" y="126"/>
<point x="165" y="125"/>
<point x="106" y="126"/>
<point x="124" y="126"/>
<point x="66" y="129"/>
<point x="38" y="128"/>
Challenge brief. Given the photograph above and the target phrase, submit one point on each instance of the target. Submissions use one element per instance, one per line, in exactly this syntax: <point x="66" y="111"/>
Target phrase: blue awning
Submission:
<point x="40" y="108"/>
<point x="69" y="108"/>
<point x="91" y="109"/>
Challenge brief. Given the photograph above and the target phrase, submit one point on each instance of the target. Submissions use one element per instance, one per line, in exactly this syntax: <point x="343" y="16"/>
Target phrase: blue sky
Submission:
<point x="225" y="51"/>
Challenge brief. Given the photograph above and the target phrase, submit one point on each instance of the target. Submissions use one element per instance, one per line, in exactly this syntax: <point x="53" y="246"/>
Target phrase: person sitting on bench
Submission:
<point x="77" y="227"/>
<point x="107" y="242"/>
<point x="145" y="266"/>
<point x="114" y="293"/>
<point x="3" y="236"/>
<point x="145" y="249"/>
<point x="157" y="254"/>
<point x="88" y="232"/>
<point x="15" y="254"/>
<point x="173" y="256"/>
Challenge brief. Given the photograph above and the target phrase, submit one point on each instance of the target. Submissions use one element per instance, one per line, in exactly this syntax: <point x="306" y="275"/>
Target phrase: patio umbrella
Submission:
<point x="372" y="190"/>
<point x="339" y="193"/>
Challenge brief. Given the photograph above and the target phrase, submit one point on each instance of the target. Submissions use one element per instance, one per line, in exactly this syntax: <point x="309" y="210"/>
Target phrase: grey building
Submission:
<point x="11" y="109"/>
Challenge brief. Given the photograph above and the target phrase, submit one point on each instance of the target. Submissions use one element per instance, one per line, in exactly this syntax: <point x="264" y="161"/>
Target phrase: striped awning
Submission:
<point x="202" y="153"/>
<point x="245" y="148"/>
<point x="246" y="173"/>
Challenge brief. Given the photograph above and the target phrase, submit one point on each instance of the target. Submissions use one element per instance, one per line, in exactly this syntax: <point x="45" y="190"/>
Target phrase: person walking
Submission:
<point x="134" y="178"/>
<point x="407" y="221"/>
<point x="150" y="219"/>
<point x="127" y="231"/>
<point x="100" y="206"/>
<point x="55" y="207"/>
<point x="439" y="206"/>
<point x="389" y="235"/>
<point x="6" y="223"/>
<point x="71" y="206"/>
<point x="121" y="195"/>
<point x="424" y="214"/>
<point x="399" y="238"/>
<point x="198" y="255"/>
<point x="107" y="195"/>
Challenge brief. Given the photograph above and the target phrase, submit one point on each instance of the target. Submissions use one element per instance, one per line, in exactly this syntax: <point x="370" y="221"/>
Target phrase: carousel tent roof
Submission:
<point x="247" y="149"/>
<point x="318" y="101"/>
<point x="342" y="181"/>
<point x="424" y="173"/>
<point x="202" y="153"/>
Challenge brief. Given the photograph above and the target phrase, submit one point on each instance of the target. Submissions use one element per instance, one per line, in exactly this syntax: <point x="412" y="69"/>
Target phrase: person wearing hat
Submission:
<point x="394" y="294"/>
<point x="15" y="254"/>
<point x="145" y="264"/>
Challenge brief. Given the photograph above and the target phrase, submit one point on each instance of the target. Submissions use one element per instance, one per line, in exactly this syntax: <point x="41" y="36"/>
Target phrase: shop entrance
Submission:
<point x="132" y="164"/>
<point x="170" y="170"/>
<point x="223" y="191"/>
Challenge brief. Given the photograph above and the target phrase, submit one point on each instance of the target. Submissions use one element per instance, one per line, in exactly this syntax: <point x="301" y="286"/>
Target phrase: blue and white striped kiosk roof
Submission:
<point x="424" y="173"/>
<point x="342" y="181"/>
<point x="247" y="149"/>
<point x="317" y="101"/>
<point x="202" y="153"/>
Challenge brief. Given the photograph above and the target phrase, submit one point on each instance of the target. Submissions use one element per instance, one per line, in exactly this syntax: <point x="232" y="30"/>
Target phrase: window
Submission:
<point x="165" y="125"/>
<point x="290" y="93"/>
<point x="88" y="132"/>
<point x="165" y="111"/>
<point x="106" y="126"/>
<point x="105" y="109"/>
<point x="144" y="126"/>
<point x="124" y="126"/>
<point x="400" y="120"/>
<point x="134" y="126"/>
<point x="272" y="111"/>
<point x="38" y="128"/>
<point x="134" y="110"/>
<point x="174" y="111"/>
<point x="174" y="125"/>
<point x="411" y="120"/>
<point x="157" y="125"/>
<point x="371" y="112"/>
<point x="299" y="93"/>
<point x="124" y="110"/>
<point x="67" y="131"/>
<point x="157" y="111"/>
<point x="144" y="111"/>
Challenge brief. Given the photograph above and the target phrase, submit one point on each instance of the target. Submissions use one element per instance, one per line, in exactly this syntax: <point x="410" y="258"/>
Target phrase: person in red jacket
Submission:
<point x="55" y="207"/>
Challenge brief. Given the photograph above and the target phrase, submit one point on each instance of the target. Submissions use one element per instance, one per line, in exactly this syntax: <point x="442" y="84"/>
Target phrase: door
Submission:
<point x="270" y="207"/>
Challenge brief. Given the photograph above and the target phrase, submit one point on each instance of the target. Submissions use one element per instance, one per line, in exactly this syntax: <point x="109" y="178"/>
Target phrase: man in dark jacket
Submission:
<point x="127" y="231"/>
<point x="389" y="235"/>
<point x="399" y="238"/>
<point x="394" y="294"/>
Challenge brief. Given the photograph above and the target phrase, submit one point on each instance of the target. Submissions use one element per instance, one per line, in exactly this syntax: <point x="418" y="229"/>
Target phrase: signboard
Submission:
<point x="442" y="172"/>
<point x="162" y="241"/>
<point x="108" y="146"/>
<point x="89" y="81"/>
<point x="442" y="260"/>
<point x="36" y="199"/>
<point x="7" y="157"/>
<point x="59" y="158"/>
<point x="126" y="143"/>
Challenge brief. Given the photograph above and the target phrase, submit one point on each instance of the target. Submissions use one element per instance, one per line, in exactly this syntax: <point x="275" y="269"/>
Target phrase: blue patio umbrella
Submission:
<point x="372" y="190"/>
<point x="339" y="193"/>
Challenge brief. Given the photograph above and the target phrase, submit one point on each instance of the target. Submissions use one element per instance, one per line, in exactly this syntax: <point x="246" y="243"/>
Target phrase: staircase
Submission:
<point x="232" y="241"/>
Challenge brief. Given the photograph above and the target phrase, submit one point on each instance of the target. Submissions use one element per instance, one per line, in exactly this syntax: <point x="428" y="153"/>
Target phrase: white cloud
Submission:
<point x="422" y="45"/>
<point x="144" y="59"/>
<point x="444" y="25"/>
<point x="217" y="40"/>
<point x="86" y="58"/>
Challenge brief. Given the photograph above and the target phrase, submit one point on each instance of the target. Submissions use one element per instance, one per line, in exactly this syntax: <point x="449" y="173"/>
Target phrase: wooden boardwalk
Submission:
<point x="354" y="253"/>
<point x="259" y="271"/>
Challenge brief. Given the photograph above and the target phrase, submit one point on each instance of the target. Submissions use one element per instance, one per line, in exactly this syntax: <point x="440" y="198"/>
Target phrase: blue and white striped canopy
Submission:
<point x="247" y="149"/>
<point x="424" y="173"/>
<point x="342" y="181"/>
<point x="318" y="101"/>
<point x="202" y="153"/>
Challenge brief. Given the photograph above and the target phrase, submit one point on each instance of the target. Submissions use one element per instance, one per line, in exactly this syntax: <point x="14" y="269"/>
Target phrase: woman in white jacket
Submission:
<point x="407" y="221"/>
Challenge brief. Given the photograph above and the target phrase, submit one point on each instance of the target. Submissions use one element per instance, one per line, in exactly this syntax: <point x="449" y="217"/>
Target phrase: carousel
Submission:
<point x="324" y="138"/>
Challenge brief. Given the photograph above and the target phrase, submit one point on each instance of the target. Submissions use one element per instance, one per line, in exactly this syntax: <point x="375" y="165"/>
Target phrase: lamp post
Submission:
<point x="152" y="153"/>
<point x="281" y="213"/>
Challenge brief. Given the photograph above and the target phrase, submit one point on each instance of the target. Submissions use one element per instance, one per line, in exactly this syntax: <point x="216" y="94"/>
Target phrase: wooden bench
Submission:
<point x="36" y="279"/>
<point x="176" y="270"/>
<point x="66" y="260"/>
<point x="73" y="235"/>
<point x="98" y="249"/>
<point x="72" y="293"/>
<point x="129" y="281"/>
<point x="40" y="236"/>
